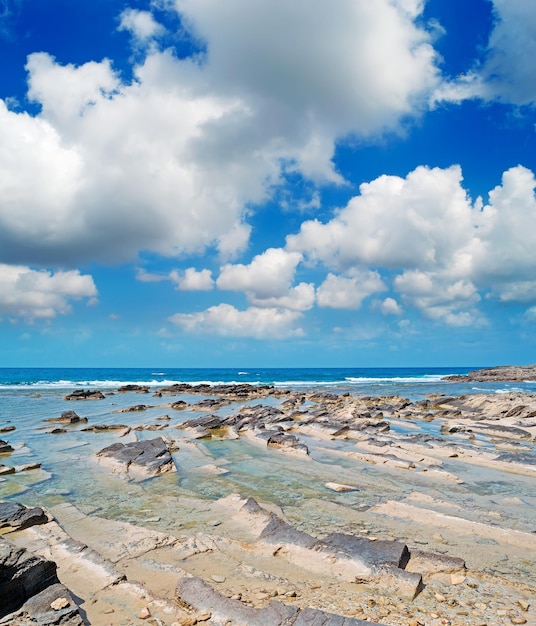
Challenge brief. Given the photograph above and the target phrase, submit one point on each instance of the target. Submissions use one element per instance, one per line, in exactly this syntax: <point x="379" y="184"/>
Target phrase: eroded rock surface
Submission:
<point x="145" y="458"/>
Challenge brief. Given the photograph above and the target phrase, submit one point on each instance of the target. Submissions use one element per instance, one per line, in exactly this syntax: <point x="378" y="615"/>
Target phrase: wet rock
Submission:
<point x="133" y="388"/>
<point x="85" y="394"/>
<point x="5" y="447"/>
<point x="505" y="373"/>
<point x="15" y="516"/>
<point x="6" y="469"/>
<point x="286" y="442"/>
<point x="68" y="417"/>
<point x="7" y="429"/>
<point x="149" y="457"/>
<point x="132" y="409"/>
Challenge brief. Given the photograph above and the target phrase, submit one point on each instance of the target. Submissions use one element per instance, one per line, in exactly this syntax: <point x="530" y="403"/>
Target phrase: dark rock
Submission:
<point x="5" y="448"/>
<point x="68" y="417"/>
<point x="15" y="516"/>
<point x="22" y="575"/>
<point x="207" y="421"/>
<point x="104" y="427"/>
<point x="85" y="394"/>
<point x="393" y="553"/>
<point x="136" y="407"/>
<point x="39" y="611"/>
<point x="7" y="429"/>
<point x="150" y="457"/>
<point x="286" y="441"/>
<point x="134" y="388"/>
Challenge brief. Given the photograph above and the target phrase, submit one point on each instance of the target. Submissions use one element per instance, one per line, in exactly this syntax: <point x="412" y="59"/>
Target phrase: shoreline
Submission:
<point x="439" y="476"/>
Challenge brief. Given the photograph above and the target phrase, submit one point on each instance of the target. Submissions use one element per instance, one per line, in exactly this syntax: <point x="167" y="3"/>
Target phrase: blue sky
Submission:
<point x="264" y="183"/>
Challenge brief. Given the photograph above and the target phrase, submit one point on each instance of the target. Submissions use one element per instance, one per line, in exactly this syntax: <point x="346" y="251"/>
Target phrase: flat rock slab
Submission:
<point x="200" y="596"/>
<point x="15" y="516"/>
<point x="85" y="394"/>
<point x="146" y="458"/>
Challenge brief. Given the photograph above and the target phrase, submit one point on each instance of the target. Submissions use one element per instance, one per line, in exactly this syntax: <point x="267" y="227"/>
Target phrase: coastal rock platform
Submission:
<point x="288" y="508"/>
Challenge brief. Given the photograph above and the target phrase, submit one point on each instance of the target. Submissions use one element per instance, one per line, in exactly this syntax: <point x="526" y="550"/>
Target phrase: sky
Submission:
<point x="264" y="183"/>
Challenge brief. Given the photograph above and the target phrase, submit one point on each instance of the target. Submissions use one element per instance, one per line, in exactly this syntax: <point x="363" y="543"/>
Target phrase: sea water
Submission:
<point x="69" y="471"/>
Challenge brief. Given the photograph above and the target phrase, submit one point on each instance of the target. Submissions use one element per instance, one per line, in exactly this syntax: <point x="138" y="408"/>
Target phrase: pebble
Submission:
<point x="144" y="613"/>
<point x="59" y="604"/>
<point x="523" y="604"/>
<point x="204" y="616"/>
<point x="518" y="620"/>
<point x="457" y="579"/>
<point x="217" y="578"/>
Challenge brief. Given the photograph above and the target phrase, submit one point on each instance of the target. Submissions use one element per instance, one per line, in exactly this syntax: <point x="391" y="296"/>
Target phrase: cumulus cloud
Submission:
<point x="141" y="24"/>
<point x="32" y="294"/>
<point x="440" y="250"/>
<point x="389" y="306"/>
<point x="267" y="280"/>
<point x="339" y="292"/>
<point x="227" y="321"/>
<point x="193" y="280"/>
<point x="173" y="161"/>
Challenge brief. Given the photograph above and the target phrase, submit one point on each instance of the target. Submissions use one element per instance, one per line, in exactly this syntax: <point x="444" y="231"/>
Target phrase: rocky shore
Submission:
<point x="503" y="373"/>
<point x="411" y="513"/>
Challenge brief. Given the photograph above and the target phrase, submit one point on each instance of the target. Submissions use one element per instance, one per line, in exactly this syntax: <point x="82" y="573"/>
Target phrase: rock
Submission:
<point x="149" y="457"/>
<point x="22" y="575"/>
<point x="6" y="469"/>
<point x="144" y="613"/>
<point x="338" y="487"/>
<point x="133" y="388"/>
<point x="68" y="417"/>
<point x="5" y="447"/>
<point x="221" y="610"/>
<point x="505" y="373"/>
<point x="59" y="603"/>
<point x="288" y="443"/>
<point x="7" y="429"/>
<point x="15" y="516"/>
<point x="38" y="611"/>
<point x="218" y="579"/>
<point x="136" y="407"/>
<point x="457" y="578"/>
<point x="89" y="394"/>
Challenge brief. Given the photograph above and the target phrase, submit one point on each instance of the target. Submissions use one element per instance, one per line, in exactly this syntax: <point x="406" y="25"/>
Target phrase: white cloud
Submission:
<point x="227" y="321"/>
<point x="32" y="294"/>
<point x="394" y="222"/>
<point x="339" y="292"/>
<point x="194" y="280"/>
<point x="390" y="306"/>
<point x="269" y="275"/>
<point x="189" y="280"/>
<point x="172" y="162"/>
<point x="507" y="70"/>
<point x="441" y="250"/>
<point x="141" y="24"/>
<point x="440" y="297"/>
<point x="298" y="298"/>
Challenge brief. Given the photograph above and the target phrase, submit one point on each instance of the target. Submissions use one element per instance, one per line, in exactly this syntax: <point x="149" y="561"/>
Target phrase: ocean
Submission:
<point x="413" y="382"/>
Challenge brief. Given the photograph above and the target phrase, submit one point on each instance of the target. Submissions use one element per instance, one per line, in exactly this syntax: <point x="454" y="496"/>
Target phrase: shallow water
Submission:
<point x="70" y="472"/>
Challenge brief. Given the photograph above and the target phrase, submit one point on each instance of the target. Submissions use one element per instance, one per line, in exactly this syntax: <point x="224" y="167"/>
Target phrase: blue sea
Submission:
<point x="412" y="382"/>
